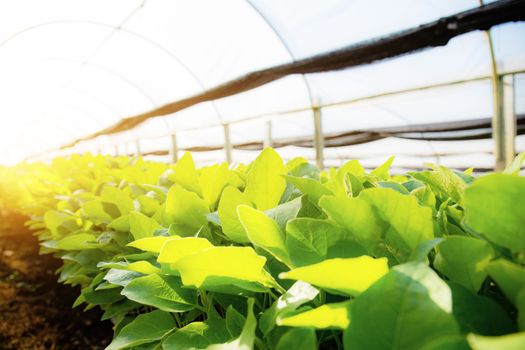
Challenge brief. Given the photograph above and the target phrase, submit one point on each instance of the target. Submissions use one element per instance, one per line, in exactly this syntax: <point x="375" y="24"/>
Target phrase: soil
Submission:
<point x="35" y="311"/>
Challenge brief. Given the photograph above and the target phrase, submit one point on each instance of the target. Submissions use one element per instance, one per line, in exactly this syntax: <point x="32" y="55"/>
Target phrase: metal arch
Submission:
<point x="124" y="30"/>
<point x="110" y="72"/>
<point x="286" y="47"/>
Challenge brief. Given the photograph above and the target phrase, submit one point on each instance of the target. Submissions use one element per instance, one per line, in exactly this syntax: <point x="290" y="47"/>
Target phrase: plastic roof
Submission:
<point x="72" y="67"/>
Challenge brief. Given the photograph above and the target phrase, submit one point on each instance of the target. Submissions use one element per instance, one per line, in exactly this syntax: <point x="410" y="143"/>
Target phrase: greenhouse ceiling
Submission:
<point x="71" y="68"/>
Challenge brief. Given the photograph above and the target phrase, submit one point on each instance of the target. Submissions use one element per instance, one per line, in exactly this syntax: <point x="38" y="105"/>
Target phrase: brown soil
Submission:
<point x="35" y="311"/>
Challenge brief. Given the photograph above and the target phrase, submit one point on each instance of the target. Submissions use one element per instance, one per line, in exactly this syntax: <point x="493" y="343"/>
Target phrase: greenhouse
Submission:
<point x="256" y="174"/>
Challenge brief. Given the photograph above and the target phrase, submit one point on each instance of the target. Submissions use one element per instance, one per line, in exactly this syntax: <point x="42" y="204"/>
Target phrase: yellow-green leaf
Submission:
<point x="185" y="207"/>
<point x="151" y="244"/>
<point x="336" y="315"/>
<point x="137" y="266"/>
<point x="142" y="226"/>
<point x="175" y="249"/>
<point x="264" y="232"/>
<point x="185" y="174"/>
<point x="213" y="179"/>
<point x="349" y="276"/>
<point x="264" y="182"/>
<point x="515" y="341"/>
<point x="239" y="263"/>
<point x="231" y="198"/>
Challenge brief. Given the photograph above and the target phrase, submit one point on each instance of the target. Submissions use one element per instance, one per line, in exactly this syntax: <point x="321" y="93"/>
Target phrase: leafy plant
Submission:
<point x="278" y="256"/>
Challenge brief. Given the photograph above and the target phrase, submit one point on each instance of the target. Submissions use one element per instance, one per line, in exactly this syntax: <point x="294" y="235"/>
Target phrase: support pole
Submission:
<point x="116" y="150"/>
<point x="227" y="143"/>
<point x="509" y="117"/>
<point x="498" y="133"/>
<point x="174" y="152"/>
<point x="318" y="135"/>
<point x="268" y="135"/>
<point x="137" y="147"/>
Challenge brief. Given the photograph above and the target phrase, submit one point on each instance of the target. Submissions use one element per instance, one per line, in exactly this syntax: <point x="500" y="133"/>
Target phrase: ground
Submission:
<point x="35" y="311"/>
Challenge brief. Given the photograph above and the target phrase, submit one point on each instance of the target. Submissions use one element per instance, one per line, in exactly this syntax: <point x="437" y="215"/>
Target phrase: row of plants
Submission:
<point x="275" y="255"/>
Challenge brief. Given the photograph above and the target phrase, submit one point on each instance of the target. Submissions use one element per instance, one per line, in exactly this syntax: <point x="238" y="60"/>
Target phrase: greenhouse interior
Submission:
<point x="256" y="174"/>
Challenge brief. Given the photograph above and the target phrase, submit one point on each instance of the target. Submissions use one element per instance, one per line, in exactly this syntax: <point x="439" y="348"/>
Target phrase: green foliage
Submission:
<point x="281" y="256"/>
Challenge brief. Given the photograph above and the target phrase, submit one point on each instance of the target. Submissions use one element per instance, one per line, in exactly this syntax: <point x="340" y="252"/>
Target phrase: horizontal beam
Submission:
<point x="451" y="131"/>
<point x="432" y="34"/>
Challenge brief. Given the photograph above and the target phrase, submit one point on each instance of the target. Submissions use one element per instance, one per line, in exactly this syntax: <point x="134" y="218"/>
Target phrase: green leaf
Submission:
<point x="409" y="223"/>
<point x="510" y="277"/>
<point x="143" y="267"/>
<point x="306" y="241"/>
<point x="231" y="225"/>
<point x="425" y="196"/>
<point x="142" y="226"/>
<point x="520" y="305"/>
<point x="144" y="329"/>
<point x="247" y="338"/>
<point x="285" y="212"/>
<point x="443" y="182"/>
<point x="312" y="188"/>
<point x="121" y="307"/>
<point x="383" y="171"/>
<point x="479" y="314"/>
<point x="163" y="292"/>
<point x="121" y="277"/>
<point x="394" y="186"/>
<point x="514" y="341"/>
<point x="198" y="335"/>
<point x="148" y="205"/>
<point x="213" y="179"/>
<point x="298" y="338"/>
<point x="463" y="260"/>
<point x="151" y="244"/>
<point x="120" y="198"/>
<point x="185" y="207"/>
<point x="78" y="241"/>
<point x="310" y="241"/>
<point x="120" y="224"/>
<point x="353" y="185"/>
<point x="333" y="316"/>
<point x="264" y="182"/>
<point x="448" y="343"/>
<point x="417" y="310"/>
<point x="234" y="321"/>
<point x="423" y="249"/>
<point x="494" y="207"/>
<point x="357" y="217"/>
<point x="264" y="232"/>
<point x="341" y="276"/>
<point x="217" y="267"/>
<point x="352" y="167"/>
<point x="299" y="293"/>
<point x="101" y="297"/>
<point x="515" y="167"/>
<point x="185" y="174"/>
<point x="175" y="249"/>
<point x="60" y="223"/>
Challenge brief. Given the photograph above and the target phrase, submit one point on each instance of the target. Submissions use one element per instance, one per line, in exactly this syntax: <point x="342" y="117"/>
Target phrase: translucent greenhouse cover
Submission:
<point x="69" y="68"/>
